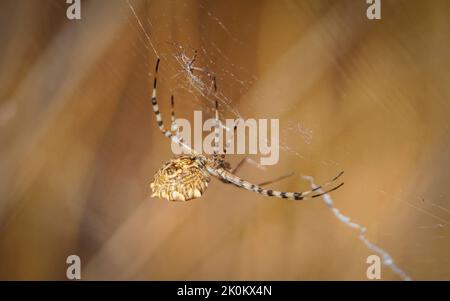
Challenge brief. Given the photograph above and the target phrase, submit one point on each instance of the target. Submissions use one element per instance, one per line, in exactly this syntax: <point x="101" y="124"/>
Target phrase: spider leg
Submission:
<point x="237" y="181"/>
<point x="277" y="179"/>
<point x="239" y="165"/>
<point x="159" y="119"/>
<point x="247" y="160"/>
<point x="228" y="142"/>
<point x="155" y="106"/>
<point x="216" y="130"/>
<point x="174" y="126"/>
<point x="213" y="83"/>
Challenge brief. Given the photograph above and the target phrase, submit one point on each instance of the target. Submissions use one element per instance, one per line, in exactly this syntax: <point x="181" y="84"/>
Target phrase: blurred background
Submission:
<point x="79" y="144"/>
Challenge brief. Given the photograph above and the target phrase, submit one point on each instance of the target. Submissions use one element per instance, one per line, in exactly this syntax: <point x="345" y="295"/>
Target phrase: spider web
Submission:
<point x="196" y="80"/>
<point x="233" y="79"/>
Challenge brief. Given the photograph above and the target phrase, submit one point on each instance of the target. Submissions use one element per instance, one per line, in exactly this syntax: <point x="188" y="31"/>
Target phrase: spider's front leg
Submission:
<point x="172" y="133"/>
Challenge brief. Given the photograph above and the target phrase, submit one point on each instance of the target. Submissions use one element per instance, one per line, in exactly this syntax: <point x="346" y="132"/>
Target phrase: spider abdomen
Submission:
<point x="180" y="179"/>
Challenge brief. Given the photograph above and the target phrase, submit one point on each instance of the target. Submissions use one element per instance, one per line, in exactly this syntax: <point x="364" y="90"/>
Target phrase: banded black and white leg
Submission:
<point x="175" y="137"/>
<point x="239" y="182"/>
<point x="216" y="130"/>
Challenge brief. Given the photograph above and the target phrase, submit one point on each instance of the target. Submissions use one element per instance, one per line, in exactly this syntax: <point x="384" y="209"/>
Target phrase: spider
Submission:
<point x="186" y="177"/>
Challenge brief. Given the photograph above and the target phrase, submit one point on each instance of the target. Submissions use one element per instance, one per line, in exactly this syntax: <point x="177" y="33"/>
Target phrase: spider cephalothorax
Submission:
<point x="181" y="179"/>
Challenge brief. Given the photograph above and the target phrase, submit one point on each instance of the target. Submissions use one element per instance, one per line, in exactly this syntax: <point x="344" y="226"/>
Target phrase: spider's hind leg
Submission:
<point x="277" y="179"/>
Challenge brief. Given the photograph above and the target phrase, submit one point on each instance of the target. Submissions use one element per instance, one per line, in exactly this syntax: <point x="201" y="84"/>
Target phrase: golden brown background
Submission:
<point x="79" y="144"/>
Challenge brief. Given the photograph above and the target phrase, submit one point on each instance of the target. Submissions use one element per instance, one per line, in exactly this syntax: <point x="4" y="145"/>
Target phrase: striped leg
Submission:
<point x="216" y="121"/>
<point x="225" y="175"/>
<point x="174" y="126"/>
<point x="175" y="138"/>
<point x="172" y="113"/>
<point x="155" y="106"/>
<point x="228" y="142"/>
<point x="216" y="129"/>
<point x="214" y="82"/>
